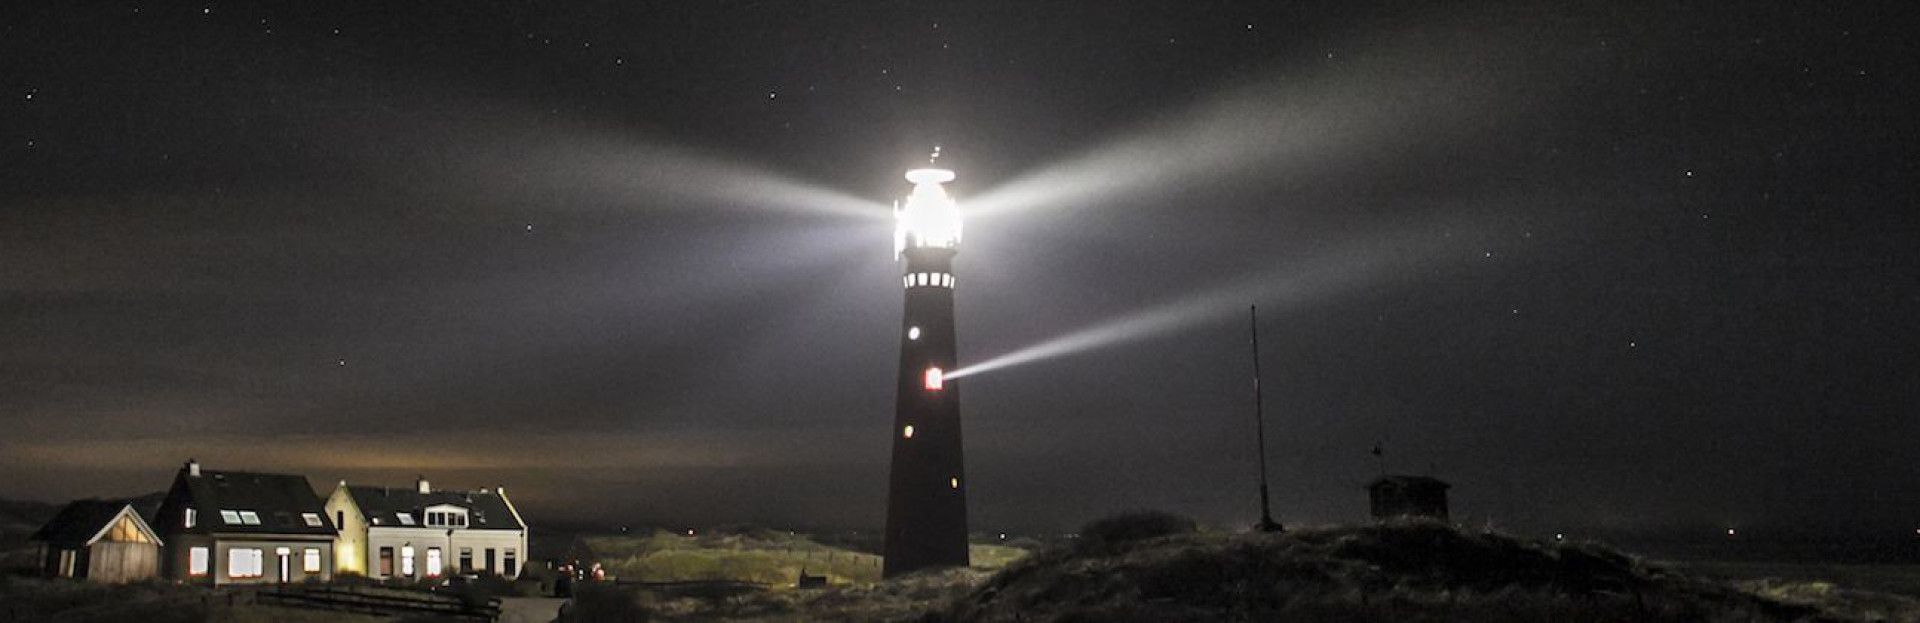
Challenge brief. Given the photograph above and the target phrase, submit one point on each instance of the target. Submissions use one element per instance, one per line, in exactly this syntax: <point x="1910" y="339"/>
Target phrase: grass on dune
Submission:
<point x="761" y="556"/>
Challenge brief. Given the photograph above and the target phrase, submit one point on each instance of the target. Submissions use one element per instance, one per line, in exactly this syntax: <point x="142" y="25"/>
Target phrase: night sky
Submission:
<point x="1602" y="268"/>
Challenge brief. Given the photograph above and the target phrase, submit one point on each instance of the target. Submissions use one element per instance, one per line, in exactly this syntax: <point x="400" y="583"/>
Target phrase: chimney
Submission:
<point x="193" y="468"/>
<point x="421" y="483"/>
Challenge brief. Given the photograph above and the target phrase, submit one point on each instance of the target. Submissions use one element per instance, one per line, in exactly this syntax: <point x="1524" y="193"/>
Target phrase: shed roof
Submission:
<point x="1409" y="482"/>
<point x="486" y="510"/>
<point x="81" y="522"/>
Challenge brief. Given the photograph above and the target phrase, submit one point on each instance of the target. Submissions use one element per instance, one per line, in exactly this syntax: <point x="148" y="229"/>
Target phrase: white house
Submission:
<point x="421" y="533"/>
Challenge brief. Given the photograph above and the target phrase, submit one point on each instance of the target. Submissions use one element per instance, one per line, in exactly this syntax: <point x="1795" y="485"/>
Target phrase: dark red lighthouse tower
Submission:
<point x="927" y="490"/>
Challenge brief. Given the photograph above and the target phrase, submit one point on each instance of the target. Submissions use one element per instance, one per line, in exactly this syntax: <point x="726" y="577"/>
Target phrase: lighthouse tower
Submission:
<point x="927" y="491"/>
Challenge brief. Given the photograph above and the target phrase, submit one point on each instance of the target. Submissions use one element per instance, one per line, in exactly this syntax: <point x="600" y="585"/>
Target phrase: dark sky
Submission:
<point x="1602" y="268"/>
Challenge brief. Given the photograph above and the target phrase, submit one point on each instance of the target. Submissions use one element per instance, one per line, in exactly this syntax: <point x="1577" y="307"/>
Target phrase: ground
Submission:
<point x="1167" y="571"/>
<point x="1161" y="570"/>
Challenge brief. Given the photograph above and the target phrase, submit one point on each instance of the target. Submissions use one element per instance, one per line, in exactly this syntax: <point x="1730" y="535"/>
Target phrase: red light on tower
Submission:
<point x="935" y="379"/>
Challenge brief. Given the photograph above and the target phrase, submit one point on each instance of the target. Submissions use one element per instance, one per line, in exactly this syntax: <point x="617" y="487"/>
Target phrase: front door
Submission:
<point x="285" y="555"/>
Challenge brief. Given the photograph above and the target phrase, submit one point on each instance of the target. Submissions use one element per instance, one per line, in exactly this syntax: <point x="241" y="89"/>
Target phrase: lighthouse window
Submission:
<point x="946" y="280"/>
<point x="907" y="280"/>
<point x="913" y="333"/>
<point x="935" y="378"/>
<point x="907" y="432"/>
<point x="953" y="483"/>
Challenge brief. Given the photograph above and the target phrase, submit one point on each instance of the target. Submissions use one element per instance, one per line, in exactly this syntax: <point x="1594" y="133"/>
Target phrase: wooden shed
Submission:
<point x="1408" y="496"/>
<point x="102" y="541"/>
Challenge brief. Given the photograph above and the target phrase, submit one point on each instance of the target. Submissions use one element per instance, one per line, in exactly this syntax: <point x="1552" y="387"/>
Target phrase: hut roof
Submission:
<point x="82" y="522"/>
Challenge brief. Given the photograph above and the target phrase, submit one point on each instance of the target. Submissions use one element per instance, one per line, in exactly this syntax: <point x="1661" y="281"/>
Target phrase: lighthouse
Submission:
<point x="927" y="487"/>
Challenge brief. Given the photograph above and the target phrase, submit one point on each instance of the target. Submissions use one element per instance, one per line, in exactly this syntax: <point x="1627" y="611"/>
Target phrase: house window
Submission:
<point x="312" y="519"/>
<point x="340" y="519"/>
<point x="406" y="519"/>
<point x="386" y="562"/>
<point x="245" y="563"/>
<point x="509" y="564"/>
<point x="232" y="518"/>
<point x="487" y="560"/>
<point x="249" y="518"/>
<point x="434" y="564"/>
<point x="197" y="561"/>
<point x="466" y="560"/>
<point x="311" y="562"/>
<point x="459" y="519"/>
<point x="406" y="561"/>
<point x="193" y="517"/>
<point x="67" y="562"/>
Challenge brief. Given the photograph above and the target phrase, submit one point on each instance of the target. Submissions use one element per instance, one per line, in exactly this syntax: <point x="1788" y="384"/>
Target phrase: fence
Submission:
<point x="382" y="604"/>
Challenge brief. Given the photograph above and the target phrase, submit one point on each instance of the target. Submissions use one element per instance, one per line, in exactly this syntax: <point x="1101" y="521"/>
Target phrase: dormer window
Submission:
<point x="446" y="515"/>
<point x="193" y="517"/>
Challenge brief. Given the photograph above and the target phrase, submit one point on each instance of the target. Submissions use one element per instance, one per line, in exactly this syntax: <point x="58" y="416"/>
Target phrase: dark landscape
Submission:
<point x="941" y="312"/>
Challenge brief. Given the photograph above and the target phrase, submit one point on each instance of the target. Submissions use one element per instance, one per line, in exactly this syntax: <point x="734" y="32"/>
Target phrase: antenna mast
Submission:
<point x="1267" y="524"/>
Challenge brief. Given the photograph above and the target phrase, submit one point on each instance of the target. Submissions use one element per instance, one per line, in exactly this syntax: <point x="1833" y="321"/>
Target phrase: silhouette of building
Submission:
<point x="99" y="540"/>
<point x="1408" y="496"/>
<point x="926" y="498"/>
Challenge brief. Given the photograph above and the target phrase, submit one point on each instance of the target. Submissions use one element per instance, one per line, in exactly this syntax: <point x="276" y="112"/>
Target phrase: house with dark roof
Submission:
<point x="423" y="533"/>
<point x="224" y="527"/>
<point x="99" y="540"/>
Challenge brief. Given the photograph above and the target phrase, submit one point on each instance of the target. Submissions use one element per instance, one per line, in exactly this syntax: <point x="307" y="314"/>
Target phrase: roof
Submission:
<point x="486" y="510"/>
<point x="81" y="522"/>
<point x="1409" y="482"/>
<point x="278" y="500"/>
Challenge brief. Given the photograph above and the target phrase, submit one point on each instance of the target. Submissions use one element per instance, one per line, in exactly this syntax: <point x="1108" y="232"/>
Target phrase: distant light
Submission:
<point x="907" y="432"/>
<point x="1003" y="536"/>
<point x="1559" y="536"/>
<point x="1729" y="531"/>
<point x="953" y="483"/>
<point x="689" y="531"/>
<point x="935" y="380"/>
<point x="913" y="333"/>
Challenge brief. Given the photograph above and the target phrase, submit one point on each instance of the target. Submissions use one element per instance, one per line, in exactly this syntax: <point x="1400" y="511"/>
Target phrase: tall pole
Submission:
<point x="1267" y="524"/>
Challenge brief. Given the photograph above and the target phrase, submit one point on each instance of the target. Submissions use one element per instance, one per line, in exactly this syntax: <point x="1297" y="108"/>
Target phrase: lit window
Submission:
<point x="406" y="519"/>
<point x="312" y="519"/>
<point x="197" y="561"/>
<point x="913" y="333"/>
<point x="311" y="560"/>
<point x="245" y="563"/>
<point x="434" y="567"/>
<point x="249" y="518"/>
<point x="946" y="280"/>
<point x="907" y="432"/>
<point x="934" y="378"/>
<point x="193" y="517"/>
<point x="907" y="280"/>
<point x="953" y="483"/>
<point x="230" y="517"/>
<point x="406" y="561"/>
